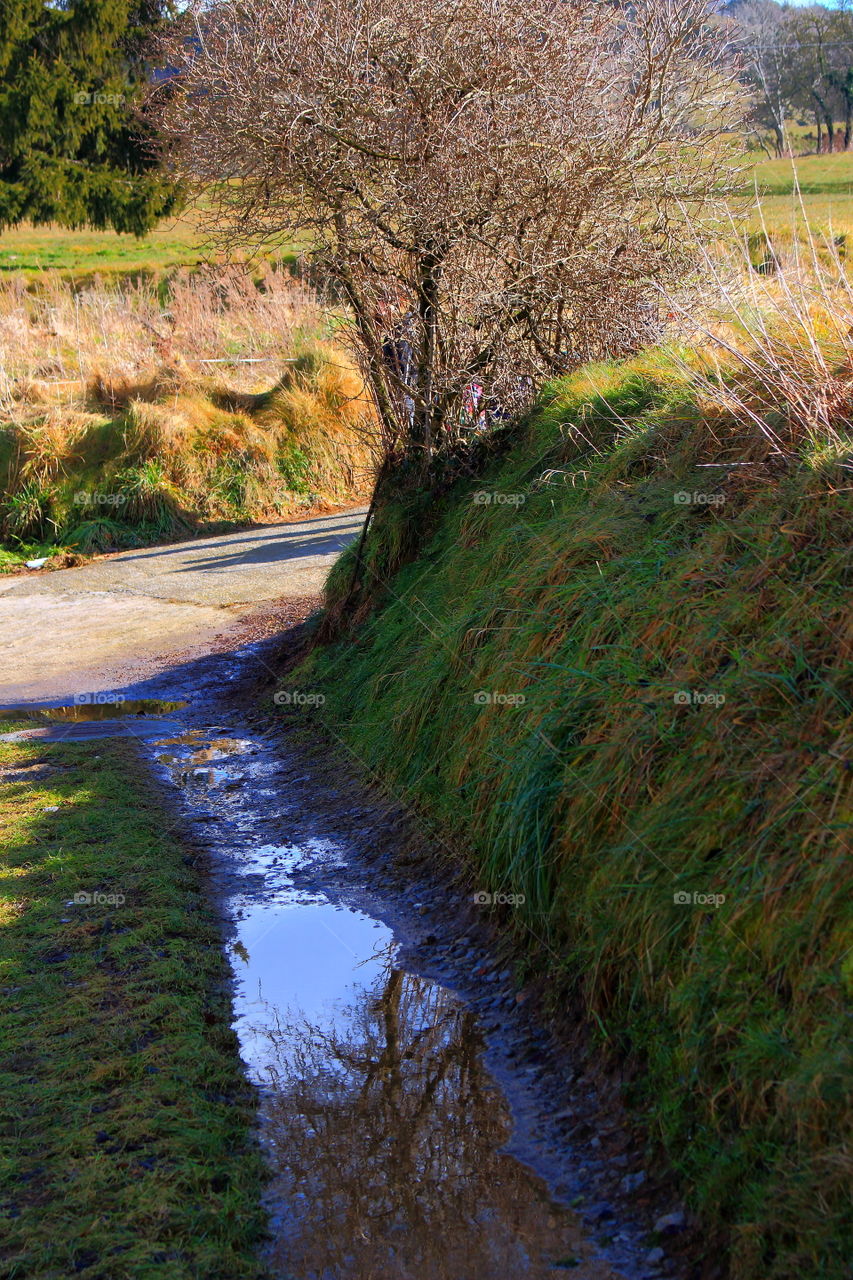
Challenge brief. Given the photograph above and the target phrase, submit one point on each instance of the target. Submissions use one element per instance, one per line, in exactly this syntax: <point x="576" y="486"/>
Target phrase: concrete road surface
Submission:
<point x="123" y="617"/>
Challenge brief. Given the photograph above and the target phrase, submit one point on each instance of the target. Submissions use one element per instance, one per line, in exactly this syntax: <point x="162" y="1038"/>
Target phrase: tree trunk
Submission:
<point x="425" y="412"/>
<point x="819" y="127"/>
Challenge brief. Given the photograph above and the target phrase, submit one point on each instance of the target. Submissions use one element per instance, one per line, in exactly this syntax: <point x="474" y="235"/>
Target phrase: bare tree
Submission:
<point x="495" y="186"/>
<point x="760" y="29"/>
<point x="815" y="72"/>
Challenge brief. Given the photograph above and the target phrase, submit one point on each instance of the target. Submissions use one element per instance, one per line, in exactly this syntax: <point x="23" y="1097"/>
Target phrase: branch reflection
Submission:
<point x="384" y="1129"/>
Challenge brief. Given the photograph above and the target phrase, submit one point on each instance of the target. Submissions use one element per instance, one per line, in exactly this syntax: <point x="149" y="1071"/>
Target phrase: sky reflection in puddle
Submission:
<point x="383" y="1128"/>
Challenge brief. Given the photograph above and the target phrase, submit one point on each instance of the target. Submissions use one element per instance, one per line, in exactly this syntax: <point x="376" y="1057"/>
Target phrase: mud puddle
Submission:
<point x="394" y="1150"/>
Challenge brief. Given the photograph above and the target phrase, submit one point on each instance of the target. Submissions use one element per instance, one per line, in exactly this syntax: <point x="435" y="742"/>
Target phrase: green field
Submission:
<point x="31" y="250"/>
<point x="179" y="242"/>
<point x="824" y="202"/>
<point x="817" y="175"/>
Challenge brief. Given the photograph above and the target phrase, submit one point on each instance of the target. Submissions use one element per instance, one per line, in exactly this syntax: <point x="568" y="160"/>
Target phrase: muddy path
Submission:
<point x="421" y="1120"/>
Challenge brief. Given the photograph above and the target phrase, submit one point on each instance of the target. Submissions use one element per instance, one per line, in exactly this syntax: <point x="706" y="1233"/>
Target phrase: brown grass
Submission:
<point x="216" y="398"/>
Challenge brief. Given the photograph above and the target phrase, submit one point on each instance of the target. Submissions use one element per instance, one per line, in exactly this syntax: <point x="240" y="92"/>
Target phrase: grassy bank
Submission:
<point x="618" y="670"/>
<point x="131" y="413"/>
<point x="126" y="1148"/>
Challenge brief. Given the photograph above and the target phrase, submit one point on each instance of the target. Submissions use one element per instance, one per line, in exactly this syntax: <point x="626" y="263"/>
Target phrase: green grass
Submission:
<point x="599" y="600"/>
<point x="32" y="250"/>
<point x="83" y="254"/>
<point x="816" y="175"/>
<point x="126" y="1150"/>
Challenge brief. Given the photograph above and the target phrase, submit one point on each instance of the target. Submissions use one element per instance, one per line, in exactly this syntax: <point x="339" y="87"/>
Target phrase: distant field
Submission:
<point x="817" y="175"/>
<point x="176" y="243"/>
<point x="825" y="214"/>
<point x="824" y="202"/>
<point x="33" y="249"/>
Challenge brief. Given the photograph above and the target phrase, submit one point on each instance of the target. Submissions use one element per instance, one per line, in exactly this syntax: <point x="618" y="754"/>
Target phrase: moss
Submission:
<point x="129" y="1150"/>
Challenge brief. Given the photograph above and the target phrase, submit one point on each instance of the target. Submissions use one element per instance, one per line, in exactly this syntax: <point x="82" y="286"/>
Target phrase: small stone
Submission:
<point x="670" y="1223"/>
<point x="654" y="1256"/>
<point x="632" y="1181"/>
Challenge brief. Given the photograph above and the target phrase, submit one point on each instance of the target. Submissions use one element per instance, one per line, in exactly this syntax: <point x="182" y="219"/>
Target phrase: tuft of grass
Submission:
<point x="168" y="440"/>
<point x="613" y="691"/>
<point x="127" y="1147"/>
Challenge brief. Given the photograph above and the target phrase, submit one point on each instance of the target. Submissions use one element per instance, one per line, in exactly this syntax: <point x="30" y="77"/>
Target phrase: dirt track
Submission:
<point x="123" y="617"/>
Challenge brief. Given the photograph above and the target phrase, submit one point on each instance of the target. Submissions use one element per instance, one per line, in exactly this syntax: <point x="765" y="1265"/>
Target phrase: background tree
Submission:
<point x="496" y="189"/>
<point x="760" y="29"/>
<point x="835" y="54"/>
<point x="73" y="147"/>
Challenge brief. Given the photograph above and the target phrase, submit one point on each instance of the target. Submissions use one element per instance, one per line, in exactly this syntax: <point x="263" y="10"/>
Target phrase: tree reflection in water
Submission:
<point x="384" y="1129"/>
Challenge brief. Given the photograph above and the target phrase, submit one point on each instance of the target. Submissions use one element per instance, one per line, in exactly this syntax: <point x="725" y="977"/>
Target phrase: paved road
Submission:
<point x="125" y="616"/>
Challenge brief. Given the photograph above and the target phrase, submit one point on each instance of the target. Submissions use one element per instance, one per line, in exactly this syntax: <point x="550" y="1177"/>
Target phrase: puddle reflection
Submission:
<point x="382" y="1126"/>
<point x="201" y="759"/>
<point x="384" y="1131"/>
<point x="111" y="709"/>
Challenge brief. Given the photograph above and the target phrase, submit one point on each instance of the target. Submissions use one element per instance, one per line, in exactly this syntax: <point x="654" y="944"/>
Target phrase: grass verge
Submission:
<point x="132" y="414"/>
<point x="126" y="1144"/>
<point x="620" y="667"/>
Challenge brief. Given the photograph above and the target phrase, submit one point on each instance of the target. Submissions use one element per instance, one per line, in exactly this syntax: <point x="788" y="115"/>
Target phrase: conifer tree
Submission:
<point x="75" y="147"/>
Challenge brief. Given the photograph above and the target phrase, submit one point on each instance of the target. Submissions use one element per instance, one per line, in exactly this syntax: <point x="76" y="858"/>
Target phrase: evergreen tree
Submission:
<point x="75" y="147"/>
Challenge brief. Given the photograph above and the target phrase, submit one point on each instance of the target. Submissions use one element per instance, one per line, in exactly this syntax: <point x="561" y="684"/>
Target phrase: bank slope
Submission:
<point x="619" y="671"/>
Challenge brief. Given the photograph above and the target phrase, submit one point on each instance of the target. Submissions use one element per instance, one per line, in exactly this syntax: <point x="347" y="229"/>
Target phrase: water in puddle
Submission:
<point x="383" y="1128"/>
<point x="111" y="710"/>
<point x="141" y="718"/>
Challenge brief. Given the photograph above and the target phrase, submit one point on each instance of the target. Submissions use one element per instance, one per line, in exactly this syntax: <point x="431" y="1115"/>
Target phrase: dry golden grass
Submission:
<point x="217" y="398"/>
<point x="138" y="340"/>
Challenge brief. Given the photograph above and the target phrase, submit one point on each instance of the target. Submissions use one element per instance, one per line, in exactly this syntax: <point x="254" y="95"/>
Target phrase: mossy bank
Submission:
<point x="617" y="672"/>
